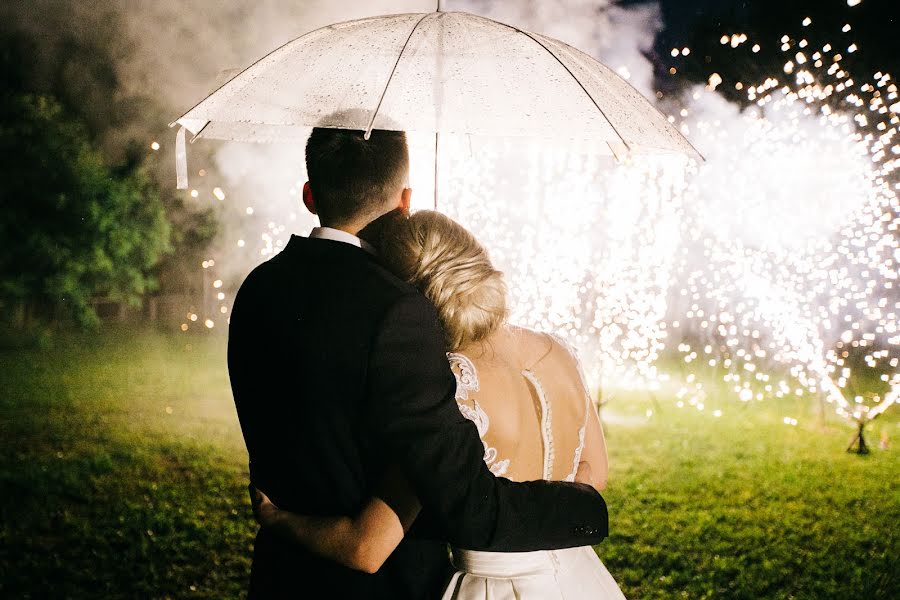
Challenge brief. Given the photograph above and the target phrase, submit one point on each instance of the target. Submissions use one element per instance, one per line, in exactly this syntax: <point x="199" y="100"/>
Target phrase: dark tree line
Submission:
<point x="72" y="226"/>
<point x="87" y="210"/>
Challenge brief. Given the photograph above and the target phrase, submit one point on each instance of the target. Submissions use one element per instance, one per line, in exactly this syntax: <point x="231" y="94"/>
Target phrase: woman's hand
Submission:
<point x="582" y="475"/>
<point x="264" y="510"/>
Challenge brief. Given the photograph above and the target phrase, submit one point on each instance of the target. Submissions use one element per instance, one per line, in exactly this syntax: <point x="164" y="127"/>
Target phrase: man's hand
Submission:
<point x="264" y="510"/>
<point x="583" y="474"/>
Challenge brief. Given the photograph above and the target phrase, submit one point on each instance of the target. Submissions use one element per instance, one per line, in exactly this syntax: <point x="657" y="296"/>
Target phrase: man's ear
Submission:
<point x="308" y="199"/>
<point x="405" y="197"/>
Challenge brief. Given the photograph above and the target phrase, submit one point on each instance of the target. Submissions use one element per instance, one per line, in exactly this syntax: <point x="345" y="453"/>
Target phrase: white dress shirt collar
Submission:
<point x="336" y="235"/>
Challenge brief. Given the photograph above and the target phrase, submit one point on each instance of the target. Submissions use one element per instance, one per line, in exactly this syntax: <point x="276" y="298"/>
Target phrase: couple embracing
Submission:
<point x="389" y="409"/>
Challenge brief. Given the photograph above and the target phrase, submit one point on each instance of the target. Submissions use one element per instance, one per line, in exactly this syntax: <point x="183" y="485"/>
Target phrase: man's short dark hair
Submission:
<point x="353" y="178"/>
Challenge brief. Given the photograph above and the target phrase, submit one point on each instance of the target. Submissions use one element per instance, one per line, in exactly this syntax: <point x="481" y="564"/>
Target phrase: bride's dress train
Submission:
<point x="569" y="574"/>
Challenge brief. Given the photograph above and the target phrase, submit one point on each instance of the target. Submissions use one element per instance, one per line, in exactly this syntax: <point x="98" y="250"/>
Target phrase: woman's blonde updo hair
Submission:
<point x="447" y="264"/>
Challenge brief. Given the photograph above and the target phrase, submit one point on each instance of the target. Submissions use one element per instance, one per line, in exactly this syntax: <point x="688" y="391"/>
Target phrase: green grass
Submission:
<point x="106" y="493"/>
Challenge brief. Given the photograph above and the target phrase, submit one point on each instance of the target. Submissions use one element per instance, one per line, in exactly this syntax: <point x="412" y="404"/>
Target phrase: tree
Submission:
<point x="71" y="226"/>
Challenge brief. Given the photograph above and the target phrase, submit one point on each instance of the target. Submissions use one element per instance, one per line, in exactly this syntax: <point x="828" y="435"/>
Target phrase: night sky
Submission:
<point x="699" y="24"/>
<point x="875" y="22"/>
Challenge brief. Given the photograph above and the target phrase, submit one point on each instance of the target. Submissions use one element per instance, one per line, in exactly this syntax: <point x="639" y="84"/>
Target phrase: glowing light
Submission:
<point x="737" y="39"/>
<point x="218" y="193"/>
<point x="768" y="271"/>
<point x="209" y="323"/>
<point x="194" y="193"/>
<point x="154" y="146"/>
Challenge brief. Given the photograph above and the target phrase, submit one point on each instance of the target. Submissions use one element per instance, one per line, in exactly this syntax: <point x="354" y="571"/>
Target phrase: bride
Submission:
<point x="525" y="393"/>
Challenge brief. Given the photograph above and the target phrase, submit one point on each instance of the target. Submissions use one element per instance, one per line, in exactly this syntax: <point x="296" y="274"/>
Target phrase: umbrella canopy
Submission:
<point x="441" y="72"/>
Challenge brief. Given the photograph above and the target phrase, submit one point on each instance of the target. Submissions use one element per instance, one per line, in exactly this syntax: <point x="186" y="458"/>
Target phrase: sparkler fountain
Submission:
<point x="797" y="215"/>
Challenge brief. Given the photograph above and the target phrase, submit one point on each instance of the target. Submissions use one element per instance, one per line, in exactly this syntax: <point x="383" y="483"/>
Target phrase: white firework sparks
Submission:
<point x="770" y="270"/>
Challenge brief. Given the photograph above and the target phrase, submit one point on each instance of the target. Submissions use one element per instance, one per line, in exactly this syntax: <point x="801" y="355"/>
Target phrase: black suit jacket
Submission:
<point x="338" y="369"/>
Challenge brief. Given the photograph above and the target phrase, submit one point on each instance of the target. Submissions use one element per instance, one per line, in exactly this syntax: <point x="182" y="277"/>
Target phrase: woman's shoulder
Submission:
<point x="536" y="346"/>
<point x="517" y="347"/>
<point x="531" y="338"/>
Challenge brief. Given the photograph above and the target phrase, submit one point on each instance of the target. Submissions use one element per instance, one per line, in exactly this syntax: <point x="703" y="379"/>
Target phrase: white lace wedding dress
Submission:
<point x="529" y="401"/>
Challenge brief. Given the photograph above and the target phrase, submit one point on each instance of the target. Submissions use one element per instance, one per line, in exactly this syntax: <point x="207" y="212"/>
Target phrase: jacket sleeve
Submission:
<point x="414" y="416"/>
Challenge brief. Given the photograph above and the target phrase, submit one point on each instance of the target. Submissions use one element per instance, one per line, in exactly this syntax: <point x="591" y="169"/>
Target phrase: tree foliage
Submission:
<point x="72" y="227"/>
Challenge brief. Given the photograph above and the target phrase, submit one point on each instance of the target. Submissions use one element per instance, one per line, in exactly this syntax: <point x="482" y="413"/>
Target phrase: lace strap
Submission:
<point x="546" y="422"/>
<point x="466" y="375"/>
<point x="587" y="404"/>
<point x="466" y="382"/>
<point x="577" y="458"/>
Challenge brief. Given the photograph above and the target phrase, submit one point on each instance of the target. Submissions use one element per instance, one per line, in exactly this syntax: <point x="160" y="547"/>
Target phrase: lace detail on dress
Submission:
<point x="577" y="459"/>
<point x="466" y="376"/>
<point x="587" y="400"/>
<point x="546" y="422"/>
<point x="467" y="381"/>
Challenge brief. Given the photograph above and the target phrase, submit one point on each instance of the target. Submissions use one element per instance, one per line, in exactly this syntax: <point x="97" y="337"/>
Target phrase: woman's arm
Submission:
<point x="594" y="451"/>
<point x="362" y="543"/>
<point x="596" y="471"/>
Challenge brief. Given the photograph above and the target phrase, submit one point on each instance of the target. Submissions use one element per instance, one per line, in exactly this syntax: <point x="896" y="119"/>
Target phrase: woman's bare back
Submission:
<point x="525" y="393"/>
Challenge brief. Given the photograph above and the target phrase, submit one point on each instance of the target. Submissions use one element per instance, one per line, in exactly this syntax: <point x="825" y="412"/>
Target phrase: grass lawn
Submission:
<point x="123" y="475"/>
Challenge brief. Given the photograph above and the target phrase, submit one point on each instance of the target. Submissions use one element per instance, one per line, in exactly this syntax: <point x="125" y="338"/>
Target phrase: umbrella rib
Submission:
<point x="391" y="76"/>
<point x="569" y="71"/>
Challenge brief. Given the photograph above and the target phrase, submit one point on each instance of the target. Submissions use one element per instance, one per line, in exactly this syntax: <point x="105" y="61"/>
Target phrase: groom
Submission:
<point x="338" y="370"/>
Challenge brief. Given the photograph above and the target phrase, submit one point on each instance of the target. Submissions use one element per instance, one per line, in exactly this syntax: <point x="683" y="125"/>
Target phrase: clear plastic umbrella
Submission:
<point x="440" y="72"/>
